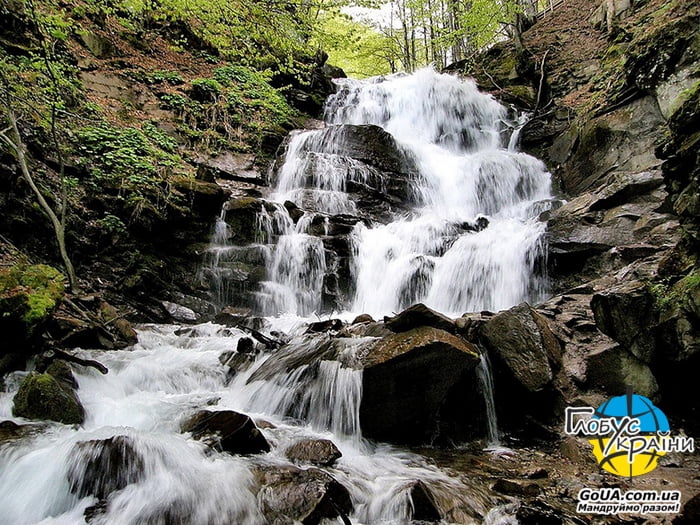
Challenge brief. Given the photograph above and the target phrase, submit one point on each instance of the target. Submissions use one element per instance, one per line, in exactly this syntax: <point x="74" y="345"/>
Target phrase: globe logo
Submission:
<point x="635" y="449"/>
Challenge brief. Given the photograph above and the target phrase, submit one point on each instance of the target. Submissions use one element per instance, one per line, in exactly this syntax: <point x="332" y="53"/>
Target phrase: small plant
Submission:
<point x="159" y="137"/>
<point x="205" y="89"/>
<point x="111" y="224"/>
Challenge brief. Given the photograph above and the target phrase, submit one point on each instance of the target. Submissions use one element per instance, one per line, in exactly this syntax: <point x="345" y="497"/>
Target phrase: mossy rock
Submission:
<point x="28" y="297"/>
<point x="42" y="396"/>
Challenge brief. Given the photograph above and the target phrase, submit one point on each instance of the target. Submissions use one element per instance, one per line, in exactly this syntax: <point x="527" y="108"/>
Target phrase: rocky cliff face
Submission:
<point x="615" y="103"/>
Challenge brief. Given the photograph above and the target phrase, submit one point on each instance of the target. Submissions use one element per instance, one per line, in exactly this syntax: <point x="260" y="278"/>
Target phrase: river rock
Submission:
<point x="293" y="495"/>
<point x="362" y="318"/>
<point x="321" y="452"/>
<point x="524" y="344"/>
<point x="99" y="467"/>
<point x="513" y="488"/>
<point x="11" y="431"/>
<point x="42" y="396"/>
<point x="409" y="378"/>
<point x="180" y="313"/>
<point x="419" y="315"/>
<point x="425" y="509"/>
<point x="330" y="325"/>
<point x="227" y="431"/>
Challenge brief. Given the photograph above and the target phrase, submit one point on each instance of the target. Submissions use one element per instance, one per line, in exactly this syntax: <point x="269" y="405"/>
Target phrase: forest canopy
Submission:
<point x="365" y="37"/>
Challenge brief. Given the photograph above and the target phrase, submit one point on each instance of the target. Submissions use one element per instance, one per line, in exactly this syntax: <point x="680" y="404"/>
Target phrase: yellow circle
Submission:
<point x="618" y="461"/>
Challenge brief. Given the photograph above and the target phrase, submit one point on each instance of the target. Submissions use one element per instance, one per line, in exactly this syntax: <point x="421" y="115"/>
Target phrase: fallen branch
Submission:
<point x="60" y="354"/>
<point x="269" y="342"/>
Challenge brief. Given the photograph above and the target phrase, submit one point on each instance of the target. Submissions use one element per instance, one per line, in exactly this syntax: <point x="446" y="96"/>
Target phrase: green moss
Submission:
<point x="42" y="396"/>
<point x="39" y="286"/>
<point x="683" y="294"/>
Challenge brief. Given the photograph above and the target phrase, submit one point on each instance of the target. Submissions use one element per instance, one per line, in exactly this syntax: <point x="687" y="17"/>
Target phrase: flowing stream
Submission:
<point x="465" y="237"/>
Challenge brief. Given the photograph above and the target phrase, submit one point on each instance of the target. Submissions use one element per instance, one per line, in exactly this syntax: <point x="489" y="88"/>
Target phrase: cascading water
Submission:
<point x="472" y="240"/>
<point x="459" y="232"/>
<point x="483" y="372"/>
<point x="169" y="478"/>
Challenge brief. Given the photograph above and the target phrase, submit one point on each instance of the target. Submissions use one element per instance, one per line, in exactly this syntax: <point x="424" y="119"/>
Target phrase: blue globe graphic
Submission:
<point x="651" y="419"/>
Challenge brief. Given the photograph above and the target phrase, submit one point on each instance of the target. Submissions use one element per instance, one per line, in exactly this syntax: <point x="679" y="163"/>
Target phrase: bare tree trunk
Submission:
<point x="58" y="224"/>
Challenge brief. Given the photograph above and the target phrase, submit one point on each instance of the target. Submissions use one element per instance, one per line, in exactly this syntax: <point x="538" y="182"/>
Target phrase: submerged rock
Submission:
<point x="43" y="396"/>
<point x="409" y="380"/>
<point x="321" y="452"/>
<point x="309" y="496"/>
<point x="227" y="431"/>
<point x="100" y="467"/>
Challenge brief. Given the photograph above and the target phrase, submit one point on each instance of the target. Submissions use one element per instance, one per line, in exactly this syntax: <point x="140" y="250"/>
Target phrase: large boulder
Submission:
<point x="523" y="343"/>
<point x="292" y="495"/>
<point x="612" y="369"/>
<point x="627" y="314"/>
<point x="410" y="382"/>
<point x="419" y="315"/>
<point x="228" y="431"/>
<point x="43" y="396"/>
<point x="100" y="467"/>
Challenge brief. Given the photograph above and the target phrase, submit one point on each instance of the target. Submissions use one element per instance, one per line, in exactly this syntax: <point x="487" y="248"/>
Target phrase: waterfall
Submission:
<point x="483" y="373"/>
<point x="467" y="236"/>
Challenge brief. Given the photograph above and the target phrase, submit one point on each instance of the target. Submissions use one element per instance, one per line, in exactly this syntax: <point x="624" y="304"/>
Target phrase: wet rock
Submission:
<point x="232" y="316"/>
<point x="227" y="431"/>
<point x="100" y="467"/>
<point x="179" y="313"/>
<point x="241" y="216"/>
<point x="539" y="513"/>
<point x="206" y="198"/>
<point x="42" y="396"/>
<point x="367" y="143"/>
<point x="627" y="314"/>
<point x="425" y="509"/>
<point x="612" y="368"/>
<point x="236" y="362"/>
<point x="292" y="495"/>
<point x="331" y="325"/>
<point x="62" y="372"/>
<point x="523" y="344"/>
<point x="513" y="488"/>
<point x="11" y="431"/>
<point x="621" y="140"/>
<point x="321" y="452"/>
<point x="690" y="514"/>
<point x="245" y="345"/>
<point x="409" y="380"/>
<point x="419" y="315"/>
<point x="362" y="318"/>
